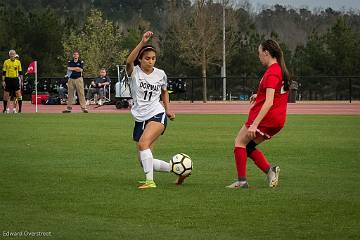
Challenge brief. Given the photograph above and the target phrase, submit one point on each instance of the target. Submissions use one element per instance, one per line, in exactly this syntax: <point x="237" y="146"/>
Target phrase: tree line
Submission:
<point x="188" y="35"/>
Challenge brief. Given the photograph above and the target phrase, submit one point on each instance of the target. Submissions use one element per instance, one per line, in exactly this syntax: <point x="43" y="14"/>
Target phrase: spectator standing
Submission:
<point x="76" y="82"/>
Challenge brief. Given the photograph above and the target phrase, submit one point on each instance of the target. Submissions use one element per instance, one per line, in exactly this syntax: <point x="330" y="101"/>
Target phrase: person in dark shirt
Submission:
<point x="76" y="82"/>
<point x="98" y="86"/>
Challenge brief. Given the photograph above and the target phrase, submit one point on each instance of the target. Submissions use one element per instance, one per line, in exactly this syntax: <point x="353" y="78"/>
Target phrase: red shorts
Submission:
<point x="266" y="132"/>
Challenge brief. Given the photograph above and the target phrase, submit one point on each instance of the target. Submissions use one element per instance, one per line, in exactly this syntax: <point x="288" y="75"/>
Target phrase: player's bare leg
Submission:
<point x="18" y="100"/>
<point x="180" y="180"/>
<point x="6" y="98"/>
<point x="151" y="132"/>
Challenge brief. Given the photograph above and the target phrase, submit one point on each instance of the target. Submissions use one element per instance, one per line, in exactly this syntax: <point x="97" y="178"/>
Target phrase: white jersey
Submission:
<point x="146" y="92"/>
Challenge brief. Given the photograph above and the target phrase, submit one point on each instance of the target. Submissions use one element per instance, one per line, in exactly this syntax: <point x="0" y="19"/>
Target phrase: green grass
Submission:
<point x="76" y="175"/>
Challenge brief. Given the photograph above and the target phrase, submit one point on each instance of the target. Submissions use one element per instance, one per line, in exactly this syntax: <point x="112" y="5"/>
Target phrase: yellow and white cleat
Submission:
<point x="147" y="184"/>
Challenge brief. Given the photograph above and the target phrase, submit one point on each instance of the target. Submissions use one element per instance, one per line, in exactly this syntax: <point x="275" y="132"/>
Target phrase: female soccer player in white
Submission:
<point x="147" y="84"/>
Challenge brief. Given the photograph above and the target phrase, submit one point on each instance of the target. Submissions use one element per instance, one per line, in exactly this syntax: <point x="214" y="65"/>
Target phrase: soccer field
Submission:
<point x="75" y="177"/>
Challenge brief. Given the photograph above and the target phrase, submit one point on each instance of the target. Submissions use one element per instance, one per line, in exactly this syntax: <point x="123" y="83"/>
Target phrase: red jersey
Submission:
<point x="275" y="117"/>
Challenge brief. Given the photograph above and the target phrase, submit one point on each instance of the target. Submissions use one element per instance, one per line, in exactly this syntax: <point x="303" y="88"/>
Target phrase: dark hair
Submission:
<point x="144" y="49"/>
<point x="275" y="51"/>
<point x="75" y="51"/>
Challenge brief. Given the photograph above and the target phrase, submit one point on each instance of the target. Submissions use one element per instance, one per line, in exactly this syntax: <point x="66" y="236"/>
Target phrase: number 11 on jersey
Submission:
<point x="146" y="93"/>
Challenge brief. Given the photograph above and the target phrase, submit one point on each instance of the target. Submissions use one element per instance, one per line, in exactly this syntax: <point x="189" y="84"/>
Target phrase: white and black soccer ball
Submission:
<point x="181" y="164"/>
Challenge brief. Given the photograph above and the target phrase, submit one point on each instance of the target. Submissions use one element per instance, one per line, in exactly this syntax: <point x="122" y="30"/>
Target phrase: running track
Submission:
<point x="327" y="108"/>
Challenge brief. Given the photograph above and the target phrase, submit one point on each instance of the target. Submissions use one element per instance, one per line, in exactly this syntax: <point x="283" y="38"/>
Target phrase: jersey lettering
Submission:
<point x="148" y="86"/>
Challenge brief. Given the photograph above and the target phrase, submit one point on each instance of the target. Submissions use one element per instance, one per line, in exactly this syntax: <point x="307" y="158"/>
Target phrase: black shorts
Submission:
<point x="12" y="84"/>
<point x="140" y="126"/>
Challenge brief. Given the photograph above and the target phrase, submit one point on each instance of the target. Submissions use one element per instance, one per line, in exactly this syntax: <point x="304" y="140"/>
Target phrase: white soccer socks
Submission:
<point x="147" y="159"/>
<point x="150" y="164"/>
<point x="161" y="166"/>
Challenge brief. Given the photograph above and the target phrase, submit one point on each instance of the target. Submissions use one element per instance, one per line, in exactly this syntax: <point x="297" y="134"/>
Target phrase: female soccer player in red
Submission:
<point x="266" y="117"/>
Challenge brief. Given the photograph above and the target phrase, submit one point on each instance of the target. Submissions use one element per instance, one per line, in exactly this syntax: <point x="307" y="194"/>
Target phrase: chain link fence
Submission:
<point x="321" y="88"/>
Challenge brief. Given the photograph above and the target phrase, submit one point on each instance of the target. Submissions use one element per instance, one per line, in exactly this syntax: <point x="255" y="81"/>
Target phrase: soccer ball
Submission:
<point x="181" y="164"/>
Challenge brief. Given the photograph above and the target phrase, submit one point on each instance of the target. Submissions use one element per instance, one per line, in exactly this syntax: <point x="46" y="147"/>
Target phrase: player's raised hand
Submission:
<point x="147" y="36"/>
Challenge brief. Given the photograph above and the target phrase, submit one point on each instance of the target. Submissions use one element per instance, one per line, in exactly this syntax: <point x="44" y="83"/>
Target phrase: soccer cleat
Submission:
<point x="85" y="111"/>
<point x="273" y="176"/>
<point x="181" y="179"/>
<point x="66" y="111"/>
<point x="238" y="184"/>
<point x="14" y="110"/>
<point x="148" y="184"/>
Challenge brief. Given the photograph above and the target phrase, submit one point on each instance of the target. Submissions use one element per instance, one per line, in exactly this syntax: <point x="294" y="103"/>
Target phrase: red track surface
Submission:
<point x="337" y="108"/>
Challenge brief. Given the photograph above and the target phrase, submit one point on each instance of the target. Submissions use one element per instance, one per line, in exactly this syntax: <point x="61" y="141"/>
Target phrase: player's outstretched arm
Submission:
<point x="165" y="99"/>
<point x="134" y="53"/>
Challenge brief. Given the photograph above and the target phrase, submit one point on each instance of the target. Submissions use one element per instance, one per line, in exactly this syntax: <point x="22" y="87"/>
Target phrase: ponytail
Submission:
<point x="285" y="72"/>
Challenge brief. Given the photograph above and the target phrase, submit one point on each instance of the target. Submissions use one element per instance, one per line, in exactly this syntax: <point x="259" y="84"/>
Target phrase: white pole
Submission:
<point x="118" y="71"/>
<point x="119" y="80"/>
<point x="36" y="92"/>
<point x="224" y="60"/>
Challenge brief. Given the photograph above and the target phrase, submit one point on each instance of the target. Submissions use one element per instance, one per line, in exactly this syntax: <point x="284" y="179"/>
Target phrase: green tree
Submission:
<point x="42" y="41"/>
<point x="243" y="53"/>
<point x="99" y="44"/>
<point x="343" y="43"/>
<point x="314" y="58"/>
<point x="199" y="35"/>
<point x="34" y="37"/>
